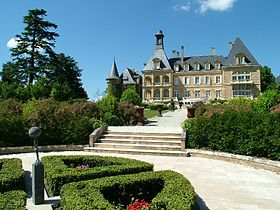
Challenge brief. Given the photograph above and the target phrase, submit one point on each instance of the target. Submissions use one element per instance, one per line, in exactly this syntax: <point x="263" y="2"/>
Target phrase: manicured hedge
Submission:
<point x="244" y="132"/>
<point x="15" y="200"/>
<point x="11" y="175"/>
<point x="60" y="170"/>
<point x="165" y="189"/>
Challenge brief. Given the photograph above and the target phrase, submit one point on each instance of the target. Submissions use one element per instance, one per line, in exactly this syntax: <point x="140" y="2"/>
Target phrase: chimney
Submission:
<point x="230" y="45"/>
<point x="174" y="54"/>
<point x="213" y="51"/>
<point x="182" y="54"/>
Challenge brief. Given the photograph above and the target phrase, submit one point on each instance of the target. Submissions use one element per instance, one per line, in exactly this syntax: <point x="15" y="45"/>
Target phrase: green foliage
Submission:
<point x="111" y="119"/>
<point x="109" y="103"/>
<point x="12" y="129"/>
<point x="153" y="106"/>
<point x="267" y="78"/>
<point x="11" y="175"/>
<point x="15" y="200"/>
<point x="268" y="99"/>
<point x="128" y="113"/>
<point x="166" y="190"/>
<point x="241" y="132"/>
<point x="131" y="96"/>
<point x="60" y="170"/>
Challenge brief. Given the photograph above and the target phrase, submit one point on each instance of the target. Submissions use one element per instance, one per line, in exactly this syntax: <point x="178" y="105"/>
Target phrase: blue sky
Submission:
<point x="94" y="32"/>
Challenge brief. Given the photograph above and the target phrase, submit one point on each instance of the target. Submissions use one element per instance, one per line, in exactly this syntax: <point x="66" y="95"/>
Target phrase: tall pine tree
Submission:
<point x="35" y="46"/>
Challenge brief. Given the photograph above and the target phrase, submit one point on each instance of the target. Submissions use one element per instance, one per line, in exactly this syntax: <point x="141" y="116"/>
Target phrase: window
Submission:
<point x="187" y="94"/>
<point x="148" y="81"/>
<point x="218" y="94"/>
<point x="176" y="67"/>
<point x="196" y="80"/>
<point x="166" y="93"/>
<point x="157" y="94"/>
<point x="197" y="93"/>
<point x="240" y="59"/>
<point x="241" y="90"/>
<point x="218" y="79"/>
<point x="208" y="94"/>
<point x="176" y="80"/>
<point x="207" y="80"/>
<point x="176" y="93"/>
<point x="207" y="66"/>
<point x="241" y="76"/>
<point x="217" y="65"/>
<point x="187" y="80"/>
<point x="166" y="80"/>
<point x="157" y="80"/>
<point x="187" y="67"/>
<point x="197" y="66"/>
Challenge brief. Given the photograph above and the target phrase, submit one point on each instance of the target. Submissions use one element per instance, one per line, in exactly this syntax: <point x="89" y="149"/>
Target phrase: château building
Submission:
<point x="190" y="78"/>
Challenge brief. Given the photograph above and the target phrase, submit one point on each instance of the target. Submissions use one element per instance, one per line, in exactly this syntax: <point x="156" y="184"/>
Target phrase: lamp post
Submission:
<point x="37" y="170"/>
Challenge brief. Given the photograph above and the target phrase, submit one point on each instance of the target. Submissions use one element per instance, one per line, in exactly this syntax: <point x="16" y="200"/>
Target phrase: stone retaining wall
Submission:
<point x="49" y="148"/>
<point x="259" y="163"/>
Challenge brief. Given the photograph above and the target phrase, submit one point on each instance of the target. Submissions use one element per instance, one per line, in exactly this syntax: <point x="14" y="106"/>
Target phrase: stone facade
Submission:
<point x="200" y="77"/>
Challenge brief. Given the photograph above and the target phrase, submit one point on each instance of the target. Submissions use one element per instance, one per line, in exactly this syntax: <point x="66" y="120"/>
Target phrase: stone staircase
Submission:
<point x="140" y="141"/>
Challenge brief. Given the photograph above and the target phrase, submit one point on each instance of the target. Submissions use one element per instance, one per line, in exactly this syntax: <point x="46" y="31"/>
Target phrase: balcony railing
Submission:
<point x="242" y="81"/>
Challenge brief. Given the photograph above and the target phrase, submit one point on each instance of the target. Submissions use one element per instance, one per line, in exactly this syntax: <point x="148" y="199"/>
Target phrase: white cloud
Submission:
<point x="186" y="6"/>
<point x="12" y="43"/>
<point x="202" y="6"/>
<point x="216" y="5"/>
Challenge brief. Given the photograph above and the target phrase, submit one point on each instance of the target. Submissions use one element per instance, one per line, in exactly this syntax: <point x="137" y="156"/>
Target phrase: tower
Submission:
<point x="159" y="40"/>
<point x="114" y="82"/>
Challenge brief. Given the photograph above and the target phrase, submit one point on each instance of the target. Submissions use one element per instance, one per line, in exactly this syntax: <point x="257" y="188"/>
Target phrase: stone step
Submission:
<point x="141" y="133"/>
<point x="139" y="136"/>
<point x="141" y="141"/>
<point x="138" y="151"/>
<point x="137" y="146"/>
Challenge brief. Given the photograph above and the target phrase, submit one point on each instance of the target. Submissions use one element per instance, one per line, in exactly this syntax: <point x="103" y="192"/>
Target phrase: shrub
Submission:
<point x="166" y="190"/>
<point x="12" y="128"/>
<point x="131" y="96"/>
<point x="267" y="100"/>
<point x="128" y="113"/>
<point x="11" y="175"/>
<point x="240" y="132"/>
<point x="15" y="200"/>
<point x="60" y="170"/>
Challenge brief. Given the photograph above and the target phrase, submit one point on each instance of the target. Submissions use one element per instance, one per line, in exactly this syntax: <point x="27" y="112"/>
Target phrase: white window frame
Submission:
<point x="218" y="81"/>
<point x="207" y="80"/>
<point x="187" y="94"/>
<point x="208" y="94"/>
<point x="195" y="81"/>
<point x="176" y="80"/>
<point x="197" y="94"/>
<point x="176" y="93"/>
<point x="187" y="81"/>
<point x="218" y="94"/>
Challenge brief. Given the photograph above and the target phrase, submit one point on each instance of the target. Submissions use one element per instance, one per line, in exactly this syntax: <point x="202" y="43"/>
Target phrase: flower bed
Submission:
<point x="60" y="170"/>
<point x="11" y="175"/>
<point x="164" y="189"/>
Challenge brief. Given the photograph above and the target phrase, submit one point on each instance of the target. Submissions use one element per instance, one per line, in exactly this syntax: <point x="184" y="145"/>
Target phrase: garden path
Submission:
<point x="219" y="184"/>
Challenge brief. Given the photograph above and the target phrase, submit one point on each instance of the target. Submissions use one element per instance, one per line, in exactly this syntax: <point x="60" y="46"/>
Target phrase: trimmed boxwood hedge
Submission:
<point x="11" y="175"/>
<point x="15" y="200"/>
<point x="170" y="190"/>
<point x="60" y="170"/>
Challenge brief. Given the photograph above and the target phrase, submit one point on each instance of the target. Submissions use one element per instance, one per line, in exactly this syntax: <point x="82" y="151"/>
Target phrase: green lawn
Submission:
<point x="152" y="113"/>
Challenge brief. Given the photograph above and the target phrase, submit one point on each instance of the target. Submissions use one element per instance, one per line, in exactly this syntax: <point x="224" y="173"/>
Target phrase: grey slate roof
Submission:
<point x="114" y="74"/>
<point x="129" y="77"/>
<point x="198" y="59"/>
<point x="237" y="48"/>
<point x="159" y="54"/>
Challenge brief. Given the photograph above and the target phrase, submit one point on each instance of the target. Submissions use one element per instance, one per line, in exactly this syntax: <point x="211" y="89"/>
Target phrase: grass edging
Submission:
<point x="58" y="173"/>
<point x="175" y="191"/>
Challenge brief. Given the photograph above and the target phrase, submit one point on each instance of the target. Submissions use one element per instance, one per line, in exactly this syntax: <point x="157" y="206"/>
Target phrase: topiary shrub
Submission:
<point x="60" y="170"/>
<point x="165" y="189"/>
<point x="15" y="200"/>
<point x="11" y="175"/>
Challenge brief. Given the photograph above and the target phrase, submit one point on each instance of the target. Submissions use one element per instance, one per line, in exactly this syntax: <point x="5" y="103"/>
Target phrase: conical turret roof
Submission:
<point x="114" y="74"/>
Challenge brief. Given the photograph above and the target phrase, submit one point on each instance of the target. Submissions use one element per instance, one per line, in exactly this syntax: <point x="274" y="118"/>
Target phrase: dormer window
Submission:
<point x="176" y="67"/>
<point x="217" y="65"/>
<point x="207" y="66"/>
<point x="240" y="59"/>
<point x="157" y="63"/>
<point x="197" y="66"/>
<point x="187" y="67"/>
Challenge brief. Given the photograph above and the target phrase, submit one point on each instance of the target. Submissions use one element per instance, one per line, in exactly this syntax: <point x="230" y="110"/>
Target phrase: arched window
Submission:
<point x="157" y="94"/>
<point x="148" y="94"/>
<point x="165" y="93"/>
<point x="157" y="80"/>
<point x="166" y="80"/>
<point x="148" y="80"/>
